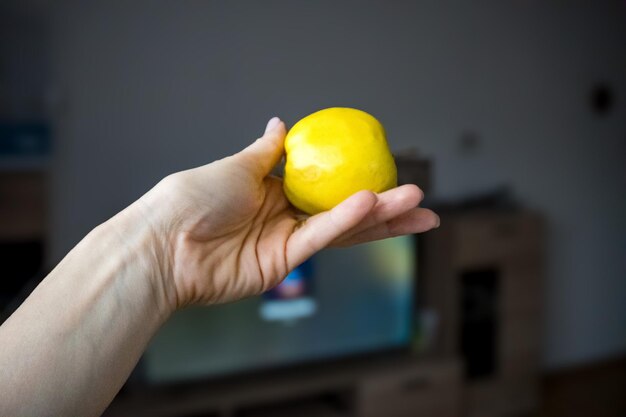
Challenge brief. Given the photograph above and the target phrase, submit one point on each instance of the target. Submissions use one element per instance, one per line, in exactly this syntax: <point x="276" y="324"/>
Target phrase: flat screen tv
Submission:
<point x="340" y="303"/>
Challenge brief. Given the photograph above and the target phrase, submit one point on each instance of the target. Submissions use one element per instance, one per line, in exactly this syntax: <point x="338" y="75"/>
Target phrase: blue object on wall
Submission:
<point x="24" y="139"/>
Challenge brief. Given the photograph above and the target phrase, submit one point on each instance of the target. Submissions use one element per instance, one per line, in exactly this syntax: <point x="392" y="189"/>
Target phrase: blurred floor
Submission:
<point x="596" y="390"/>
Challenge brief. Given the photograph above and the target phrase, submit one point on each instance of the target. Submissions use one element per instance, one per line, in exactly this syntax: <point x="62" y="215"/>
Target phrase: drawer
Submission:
<point x="484" y="240"/>
<point x="433" y="392"/>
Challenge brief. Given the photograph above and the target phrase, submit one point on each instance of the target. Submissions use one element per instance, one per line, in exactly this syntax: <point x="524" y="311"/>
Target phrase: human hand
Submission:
<point x="225" y="231"/>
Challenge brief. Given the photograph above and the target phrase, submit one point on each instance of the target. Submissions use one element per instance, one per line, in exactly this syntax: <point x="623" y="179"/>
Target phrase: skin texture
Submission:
<point x="213" y="234"/>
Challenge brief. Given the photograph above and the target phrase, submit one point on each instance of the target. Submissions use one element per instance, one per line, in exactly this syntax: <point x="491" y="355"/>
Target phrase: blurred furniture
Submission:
<point x="413" y="169"/>
<point x="483" y="276"/>
<point x="22" y="205"/>
<point x="430" y="389"/>
<point x="595" y="389"/>
<point x="393" y="386"/>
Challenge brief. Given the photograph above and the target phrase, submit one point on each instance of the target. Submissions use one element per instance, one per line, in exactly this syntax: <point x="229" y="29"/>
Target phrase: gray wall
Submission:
<point x="145" y="89"/>
<point x="23" y="65"/>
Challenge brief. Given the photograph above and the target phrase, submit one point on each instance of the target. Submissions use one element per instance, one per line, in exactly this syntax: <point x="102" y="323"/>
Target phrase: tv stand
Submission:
<point x="393" y="386"/>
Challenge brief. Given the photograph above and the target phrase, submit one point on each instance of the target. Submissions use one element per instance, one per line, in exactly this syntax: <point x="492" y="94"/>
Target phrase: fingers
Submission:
<point x="416" y="220"/>
<point x="262" y="155"/>
<point x="320" y="230"/>
<point x="390" y="204"/>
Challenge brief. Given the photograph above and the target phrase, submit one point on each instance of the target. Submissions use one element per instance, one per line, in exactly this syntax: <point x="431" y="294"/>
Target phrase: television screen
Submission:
<point x="340" y="302"/>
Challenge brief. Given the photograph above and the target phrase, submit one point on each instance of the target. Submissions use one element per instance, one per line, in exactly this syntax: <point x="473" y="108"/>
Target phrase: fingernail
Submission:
<point x="271" y="125"/>
<point x="438" y="222"/>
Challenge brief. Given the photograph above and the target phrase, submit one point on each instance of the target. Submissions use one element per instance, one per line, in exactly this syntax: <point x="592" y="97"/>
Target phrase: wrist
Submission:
<point x="146" y="252"/>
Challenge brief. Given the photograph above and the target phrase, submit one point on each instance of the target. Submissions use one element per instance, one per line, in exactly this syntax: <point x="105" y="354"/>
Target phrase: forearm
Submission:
<point x="71" y="345"/>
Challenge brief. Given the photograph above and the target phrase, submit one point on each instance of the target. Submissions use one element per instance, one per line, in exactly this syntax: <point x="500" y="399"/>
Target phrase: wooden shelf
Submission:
<point x="22" y="205"/>
<point x="394" y="387"/>
<point x="506" y="246"/>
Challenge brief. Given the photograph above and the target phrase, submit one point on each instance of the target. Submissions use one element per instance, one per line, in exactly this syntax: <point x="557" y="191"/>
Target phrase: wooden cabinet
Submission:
<point x="483" y="278"/>
<point x="433" y="391"/>
<point x="22" y="206"/>
<point x="395" y="386"/>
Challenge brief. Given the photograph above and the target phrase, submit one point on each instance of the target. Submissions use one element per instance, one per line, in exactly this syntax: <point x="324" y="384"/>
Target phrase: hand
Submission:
<point x="226" y="231"/>
<point x="212" y="234"/>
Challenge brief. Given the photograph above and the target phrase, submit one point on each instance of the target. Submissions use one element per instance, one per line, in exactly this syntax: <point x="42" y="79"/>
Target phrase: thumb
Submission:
<point x="262" y="155"/>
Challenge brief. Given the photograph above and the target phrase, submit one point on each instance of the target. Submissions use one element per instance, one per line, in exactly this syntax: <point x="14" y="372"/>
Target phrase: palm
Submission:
<point x="239" y="236"/>
<point x="254" y="256"/>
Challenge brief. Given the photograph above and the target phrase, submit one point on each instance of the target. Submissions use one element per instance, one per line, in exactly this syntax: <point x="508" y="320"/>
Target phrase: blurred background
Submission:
<point x="511" y="116"/>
